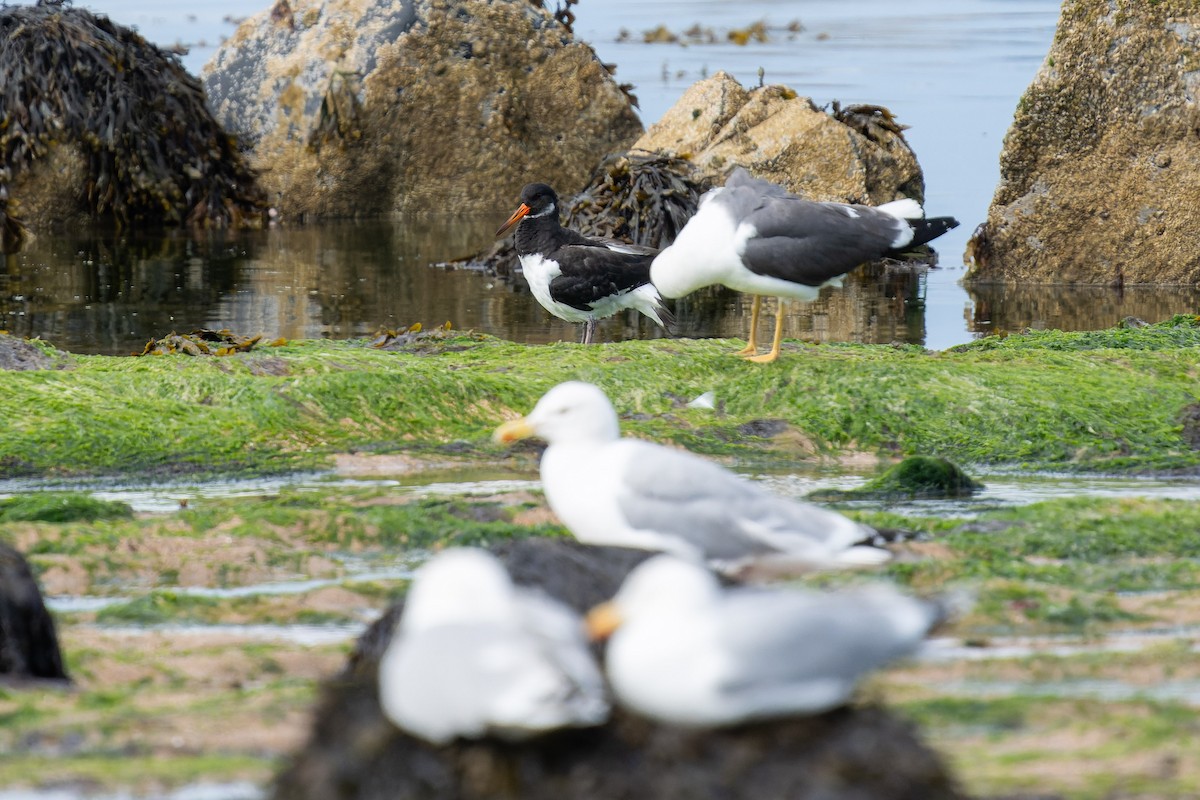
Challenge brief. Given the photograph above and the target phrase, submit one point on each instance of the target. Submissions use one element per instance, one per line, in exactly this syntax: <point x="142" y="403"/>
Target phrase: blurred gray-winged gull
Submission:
<point x="685" y="651"/>
<point x="754" y="236"/>
<point x="609" y="490"/>
<point x="475" y="656"/>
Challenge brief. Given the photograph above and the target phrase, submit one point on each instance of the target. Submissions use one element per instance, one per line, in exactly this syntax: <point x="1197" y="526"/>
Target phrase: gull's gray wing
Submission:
<point x="809" y="243"/>
<point x="774" y="638"/>
<point x="803" y="241"/>
<point x="679" y="494"/>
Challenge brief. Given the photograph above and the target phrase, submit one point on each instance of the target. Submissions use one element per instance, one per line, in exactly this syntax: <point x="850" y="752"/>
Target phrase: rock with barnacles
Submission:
<point x="95" y="122"/>
<point x="855" y="154"/>
<point x="376" y="106"/>
<point x="353" y="752"/>
<point x="1100" y="169"/>
<point x="28" y="642"/>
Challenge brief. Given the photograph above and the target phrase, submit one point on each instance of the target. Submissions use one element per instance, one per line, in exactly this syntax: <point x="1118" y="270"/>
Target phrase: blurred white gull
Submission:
<point x="685" y="651"/>
<point x="631" y="493"/>
<point x="474" y="656"/>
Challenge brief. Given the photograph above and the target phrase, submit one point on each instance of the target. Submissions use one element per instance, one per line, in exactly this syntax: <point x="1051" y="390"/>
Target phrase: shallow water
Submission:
<point x="1184" y="692"/>
<point x="86" y="603"/>
<point x="953" y="72"/>
<point x="1001" y="489"/>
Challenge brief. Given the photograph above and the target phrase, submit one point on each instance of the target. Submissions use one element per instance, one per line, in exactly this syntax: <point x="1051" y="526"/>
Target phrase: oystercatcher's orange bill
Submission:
<point x="513" y="220"/>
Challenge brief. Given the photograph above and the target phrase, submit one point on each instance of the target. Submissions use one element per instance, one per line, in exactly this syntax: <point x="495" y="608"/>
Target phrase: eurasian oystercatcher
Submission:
<point x="754" y="236"/>
<point x="580" y="278"/>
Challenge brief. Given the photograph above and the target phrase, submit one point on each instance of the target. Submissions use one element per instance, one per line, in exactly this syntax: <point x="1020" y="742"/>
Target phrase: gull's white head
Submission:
<point x="571" y="412"/>
<point x="664" y="585"/>
<point x="459" y="585"/>
<point x="666" y="582"/>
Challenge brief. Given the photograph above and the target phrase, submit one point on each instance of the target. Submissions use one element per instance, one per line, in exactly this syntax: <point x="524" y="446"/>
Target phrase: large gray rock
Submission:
<point x="861" y="753"/>
<point x="376" y="106"/>
<point x="858" y="155"/>
<point x="1100" y="172"/>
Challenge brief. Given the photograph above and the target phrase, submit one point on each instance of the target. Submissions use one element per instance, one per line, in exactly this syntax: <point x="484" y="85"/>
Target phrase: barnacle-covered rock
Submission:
<point x="1100" y="171"/>
<point x="436" y="106"/>
<point x="857" y="154"/>
<point x="97" y="122"/>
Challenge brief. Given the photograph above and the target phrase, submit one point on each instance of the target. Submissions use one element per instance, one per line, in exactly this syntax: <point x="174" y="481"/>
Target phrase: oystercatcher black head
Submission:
<point x="754" y="236"/>
<point x="537" y="200"/>
<point x="575" y="277"/>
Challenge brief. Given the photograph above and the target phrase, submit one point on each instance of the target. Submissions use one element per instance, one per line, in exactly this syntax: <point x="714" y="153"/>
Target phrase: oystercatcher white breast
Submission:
<point x="580" y="278"/>
<point x="754" y="236"/>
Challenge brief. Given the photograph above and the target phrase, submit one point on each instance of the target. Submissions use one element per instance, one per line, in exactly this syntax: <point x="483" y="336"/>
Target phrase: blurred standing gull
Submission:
<point x="753" y="236"/>
<point x="630" y="493"/>
<point x="575" y="277"/>
<point x="474" y="656"/>
<point x="685" y="651"/>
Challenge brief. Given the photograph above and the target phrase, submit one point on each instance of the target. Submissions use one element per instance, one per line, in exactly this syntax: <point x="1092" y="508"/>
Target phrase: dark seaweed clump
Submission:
<point x="562" y="11"/>
<point x="154" y="153"/>
<point x="645" y="199"/>
<point x="915" y="476"/>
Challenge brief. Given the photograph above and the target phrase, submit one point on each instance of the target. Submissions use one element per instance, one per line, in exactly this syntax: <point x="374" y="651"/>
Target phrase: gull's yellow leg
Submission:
<point x="752" y="340"/>
<point x="767" y="358"/>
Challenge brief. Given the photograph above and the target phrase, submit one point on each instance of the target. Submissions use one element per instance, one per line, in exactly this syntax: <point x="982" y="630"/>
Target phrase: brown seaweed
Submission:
<point x="154" y="152"/>
<point x="203" y="342"/>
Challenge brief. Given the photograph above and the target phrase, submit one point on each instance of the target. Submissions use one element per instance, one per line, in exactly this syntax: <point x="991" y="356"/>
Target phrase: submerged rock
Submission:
<point x="97" y="122"/>
<point x="1100" y="169"/>
<point x="857" y="154"/>
<point x="436" y="106"/>
<point x="354" y="752"/>
<point x="28" y="642"/>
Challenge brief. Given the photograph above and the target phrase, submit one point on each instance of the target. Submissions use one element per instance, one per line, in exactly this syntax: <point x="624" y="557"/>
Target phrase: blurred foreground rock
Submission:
<point x="855" y="155"/>
<point x="1100" y="170"/>
<point x="28" y="642"/>
<point x="435" y="106"/>
<point x="354" y="752"/>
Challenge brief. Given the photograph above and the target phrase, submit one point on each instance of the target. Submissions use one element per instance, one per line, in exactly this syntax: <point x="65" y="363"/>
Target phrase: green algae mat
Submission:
<point x="153" y="709"/>
<point x="1121" y="399"/>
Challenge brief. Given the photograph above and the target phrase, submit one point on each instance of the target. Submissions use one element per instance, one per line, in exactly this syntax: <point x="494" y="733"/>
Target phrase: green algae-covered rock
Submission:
<point x="1107" y="400"/>
<point x="915" y="476"/>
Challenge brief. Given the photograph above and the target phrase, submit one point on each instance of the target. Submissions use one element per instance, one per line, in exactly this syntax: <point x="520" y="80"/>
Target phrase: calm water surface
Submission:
<point x="953" y="72"/>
